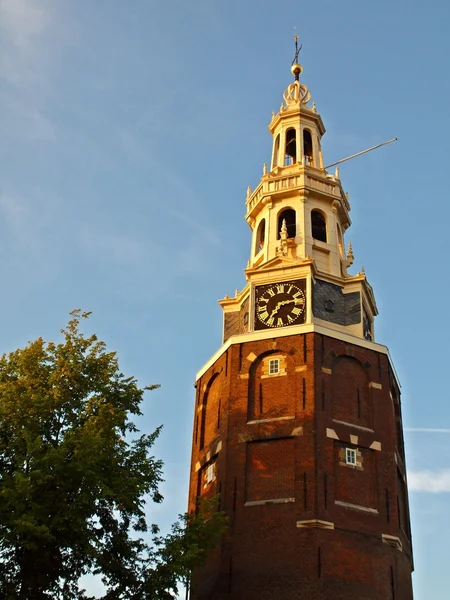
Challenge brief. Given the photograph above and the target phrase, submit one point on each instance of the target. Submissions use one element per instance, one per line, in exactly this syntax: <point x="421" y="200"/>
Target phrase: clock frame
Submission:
<point x="280" y="304"/>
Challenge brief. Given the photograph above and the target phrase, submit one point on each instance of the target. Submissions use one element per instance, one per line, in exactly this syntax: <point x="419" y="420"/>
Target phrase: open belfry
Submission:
<point x="297" y="424"/>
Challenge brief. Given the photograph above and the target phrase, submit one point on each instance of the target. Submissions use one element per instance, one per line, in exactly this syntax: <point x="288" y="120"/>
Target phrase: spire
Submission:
<point x="296" y="93"/>
<point x="296" y="69"/>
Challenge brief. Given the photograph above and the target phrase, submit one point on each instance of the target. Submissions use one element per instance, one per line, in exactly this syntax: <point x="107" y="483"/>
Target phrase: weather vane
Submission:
<point x="297" y="49"/>
<point x="296" y="68"/>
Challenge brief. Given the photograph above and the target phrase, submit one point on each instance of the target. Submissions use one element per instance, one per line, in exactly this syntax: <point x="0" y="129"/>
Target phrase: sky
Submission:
<point x="129" y="132"/>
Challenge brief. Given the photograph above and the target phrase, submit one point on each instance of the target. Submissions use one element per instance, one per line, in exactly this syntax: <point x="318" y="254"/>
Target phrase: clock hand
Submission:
<point x="279" y="305"/>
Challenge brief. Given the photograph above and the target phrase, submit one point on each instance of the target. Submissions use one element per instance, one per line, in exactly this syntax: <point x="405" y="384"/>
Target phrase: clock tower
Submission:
<point x="297" y="425"/>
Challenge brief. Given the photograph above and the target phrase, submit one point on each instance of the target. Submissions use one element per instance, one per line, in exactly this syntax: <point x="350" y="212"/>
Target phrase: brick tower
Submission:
<point x="297" y="418"/>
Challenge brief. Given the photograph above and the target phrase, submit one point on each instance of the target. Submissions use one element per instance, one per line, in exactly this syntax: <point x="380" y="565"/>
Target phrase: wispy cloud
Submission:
<point x="426" y="430"/>
<point x="111" y="245"/>
<point x="434" y="482"/>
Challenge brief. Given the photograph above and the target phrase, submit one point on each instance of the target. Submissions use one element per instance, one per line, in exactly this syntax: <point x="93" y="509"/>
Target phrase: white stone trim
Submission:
<point x="357" y="507"/>
<point x="268" y="334"/>
<point x="393" y="541"/>
<point x="315" y="523"/>
<point x="332" y="434"/>
<point x="272" y="501"/>
<point x="375" y="385"/>
<point x="354" y="426"/>
<point x="256" y="421"/>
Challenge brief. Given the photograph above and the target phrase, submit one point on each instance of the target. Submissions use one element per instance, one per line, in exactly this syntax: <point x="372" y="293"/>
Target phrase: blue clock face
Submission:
<point x="280" y="304"/>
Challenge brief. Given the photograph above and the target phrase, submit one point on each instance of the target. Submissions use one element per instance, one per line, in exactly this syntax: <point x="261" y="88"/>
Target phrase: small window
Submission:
<point x="274" y="366"/>
<point x="350" y="456"/>
<point x="210" y="473"/>
<point x="246" y="318"/>
<point x="318" y="226"/>
<point x="329" y="305"/>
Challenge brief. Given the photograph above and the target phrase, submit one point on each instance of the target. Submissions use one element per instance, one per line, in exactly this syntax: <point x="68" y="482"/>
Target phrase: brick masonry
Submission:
<point x="302" y="523"/>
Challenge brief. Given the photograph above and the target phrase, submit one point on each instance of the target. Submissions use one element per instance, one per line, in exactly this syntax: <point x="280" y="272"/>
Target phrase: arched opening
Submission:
<point x="210" y="411"/>
<point x="287" y="215"/>
<point x="340" y="241"/>
<point x="308" y="147"/>
<point x="276" y="151"/>
<point x="290" y="155"/>
<point x="260" y="236"/>
<point x="272" y="388"/>
<point x="318" y="226"/>
<point x="349" y="392"/>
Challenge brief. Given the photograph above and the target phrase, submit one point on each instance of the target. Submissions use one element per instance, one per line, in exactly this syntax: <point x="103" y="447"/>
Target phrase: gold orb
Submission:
<point x="296" y="69"/>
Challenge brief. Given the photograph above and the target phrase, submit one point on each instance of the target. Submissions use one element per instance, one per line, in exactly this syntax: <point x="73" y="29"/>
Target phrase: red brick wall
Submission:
<point x="270" y="470"/>
<point x="350" y="392"/>
<point x="355" y="485"/>
<point x="265" y="554"/>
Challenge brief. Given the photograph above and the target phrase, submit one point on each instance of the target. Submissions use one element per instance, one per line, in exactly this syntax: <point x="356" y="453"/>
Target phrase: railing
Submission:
<point x="292" y="181"/>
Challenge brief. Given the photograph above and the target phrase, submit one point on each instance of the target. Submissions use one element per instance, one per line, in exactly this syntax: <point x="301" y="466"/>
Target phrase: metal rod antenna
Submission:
<point x="359" y="153"/>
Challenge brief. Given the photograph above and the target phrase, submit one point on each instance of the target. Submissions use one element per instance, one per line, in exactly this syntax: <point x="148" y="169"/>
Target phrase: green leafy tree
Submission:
<point x="75" y="474"/>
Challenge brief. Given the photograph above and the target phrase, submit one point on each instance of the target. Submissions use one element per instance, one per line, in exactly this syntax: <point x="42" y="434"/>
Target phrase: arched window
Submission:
<point x="308" y="147"/>
<point x="287" y="215"/>
<point x="318" y="226"/>
<point x="340" y="241"/>
<point x="276" y="151"/>
<point x="290" y="155"/>
<point x="260" y="236"/>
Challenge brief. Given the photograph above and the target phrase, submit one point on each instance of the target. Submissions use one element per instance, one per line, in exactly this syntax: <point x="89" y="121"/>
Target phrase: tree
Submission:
<point x="75" y="474"/>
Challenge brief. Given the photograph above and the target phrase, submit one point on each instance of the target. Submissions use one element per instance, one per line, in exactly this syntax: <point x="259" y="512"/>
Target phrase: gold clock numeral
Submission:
<point x="280" y="322"/>
<point x="270" y="321"/>
<point x="262" y="309"/>
<point x="299" y="301"/>
<point x="264" y="315"/>
<point x="296" y="311"/>
<point x="271" y="292"/>
<point x="280" y="288"/>
<point x="290" y="319"/>
<point x="290" y="288"/>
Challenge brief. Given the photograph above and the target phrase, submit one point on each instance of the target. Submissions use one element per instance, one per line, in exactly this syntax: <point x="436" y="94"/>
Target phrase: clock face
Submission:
<point x="280" y="304"/>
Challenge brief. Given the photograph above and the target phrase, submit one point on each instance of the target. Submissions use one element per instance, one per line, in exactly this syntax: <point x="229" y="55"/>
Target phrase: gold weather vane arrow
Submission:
<point x="338" y="162"/>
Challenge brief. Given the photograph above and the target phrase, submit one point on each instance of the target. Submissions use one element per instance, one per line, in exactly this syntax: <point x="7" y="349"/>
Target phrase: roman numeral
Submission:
<point x="264" y="315"/>
<point x="270" y="321"/>
<point x="296" y="311"/>
<point x="271" y="292"/>
<point x="280" y="322"/>
<point x="280" y="288"/>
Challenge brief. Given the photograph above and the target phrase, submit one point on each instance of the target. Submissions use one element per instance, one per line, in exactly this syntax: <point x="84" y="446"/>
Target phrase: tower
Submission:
<point x="297" y="421"/>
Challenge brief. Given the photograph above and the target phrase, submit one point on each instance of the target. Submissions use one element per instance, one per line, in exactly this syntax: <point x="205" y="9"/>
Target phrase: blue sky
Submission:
<point x="129" y="132"/>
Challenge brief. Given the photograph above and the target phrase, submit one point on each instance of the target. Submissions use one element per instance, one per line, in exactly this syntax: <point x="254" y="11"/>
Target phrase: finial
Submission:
<point x="296" y="69"/>
<point x="265" y="169"/>
<point x="236" y="293"/>
<point x="350" y="255"/>
<point x="249" y="191"/>
<point x="363" y="271"/>
<point x="314" y="107"/>
<point x="336" y="173"/>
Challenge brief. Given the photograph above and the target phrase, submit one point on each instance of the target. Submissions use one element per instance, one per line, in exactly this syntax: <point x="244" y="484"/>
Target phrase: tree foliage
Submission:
<point x="75" y="474"/>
